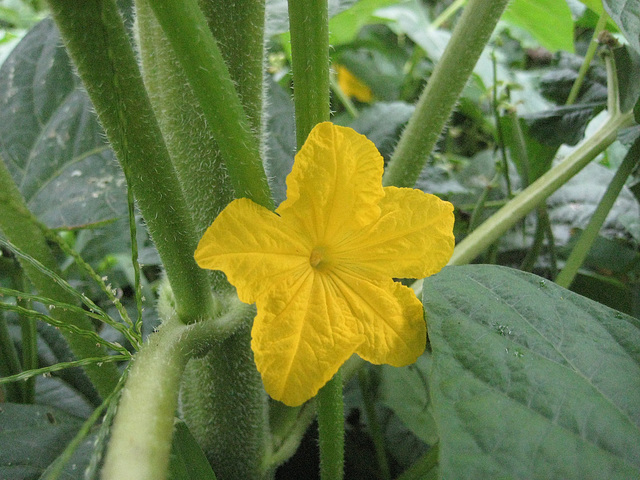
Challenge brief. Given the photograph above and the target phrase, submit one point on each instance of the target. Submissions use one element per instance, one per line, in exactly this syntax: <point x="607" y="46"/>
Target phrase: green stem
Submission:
<point x="344" y="99"/>
<point x="331" y="429"/>
<point x="591" y="51"/>
<point x="29" y="343"/>
<point x="141" y="437"/>
<point x="21" y="228"/>
<point x="95" y="36"/>
<point x="425" y="468"/>
<point x="590" y="233"/>
<point x="374" y="423"/>
<point x="538" y="191"/>
<point x="448" y="13"/>
<point x="309" y="23"/>
<point x="188" y="32"/>
<point x="471" y="34"/>
<point x="10" y="365"/>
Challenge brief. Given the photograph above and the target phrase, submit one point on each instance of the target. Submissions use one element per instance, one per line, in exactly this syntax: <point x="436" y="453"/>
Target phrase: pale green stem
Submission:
<point x="590" y="233"/>
<point x="538" y="191"/>
<point x="591" y="51"/>
<point x="344" y="99"/>
<point x="471" y="34"/>
<point x="188" y="32"/>
<point x="448" y="13"/>
<point x="142" y="431"/>
<point x="501" y="221"/>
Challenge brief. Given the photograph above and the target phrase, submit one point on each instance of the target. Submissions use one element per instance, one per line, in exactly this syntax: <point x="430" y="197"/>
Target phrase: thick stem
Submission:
<point x="589" y="235"/>
<point x="141" y="435"/>
<point x="20" y="227"/>
<point x="95" y="36"/>
<point x="225" y="407"/>
<point x="309" y="24"/>
<point x="331" y="429"/>
<point x="471" y="34"/>
<point x="197" y="51"/>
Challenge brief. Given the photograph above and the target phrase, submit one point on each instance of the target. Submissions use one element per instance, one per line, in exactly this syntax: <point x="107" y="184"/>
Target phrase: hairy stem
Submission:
<point x="197" y="51"/>
<point x="95" y="36"/>
<point x="331" y="429"/>
<point x="471" y="34"/>
<point x="309" y="23"/>
<point x="142" y="431"/>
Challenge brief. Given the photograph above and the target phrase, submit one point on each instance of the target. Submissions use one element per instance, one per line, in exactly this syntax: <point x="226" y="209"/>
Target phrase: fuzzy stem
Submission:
<point x="331" y="429"/>
<point x="471" y="34"/>
<point x="309" y="24"/>
<point x="20" y="227"/>
<point x="141" y="437"/>
<point x="95" y="36"/>
<point x="589" y="235"/>
<point x="188" y="32"/>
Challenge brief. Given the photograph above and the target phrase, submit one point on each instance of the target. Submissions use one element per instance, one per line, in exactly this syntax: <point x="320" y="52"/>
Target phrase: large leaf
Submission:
<point x="534" y="16"/>
<point x="31" y="437"/>
<point x="530" y="380"/>
<point x="406" y="392"/>
<point x="626" y="14"/>
<point x="50" y="138"/>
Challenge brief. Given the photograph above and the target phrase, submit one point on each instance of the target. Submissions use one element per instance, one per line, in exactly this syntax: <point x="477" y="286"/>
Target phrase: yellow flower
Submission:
<point x="320" y="268"/>
<point x="352" y="86"/>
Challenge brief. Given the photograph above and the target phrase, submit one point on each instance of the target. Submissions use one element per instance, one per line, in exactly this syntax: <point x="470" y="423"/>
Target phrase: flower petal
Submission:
<point x="388" y="314"/>
<point x="253" y="246"/>
<point x="301" y="336"/>
<point x="413" y="237"/>
<point x="335" y="183"/>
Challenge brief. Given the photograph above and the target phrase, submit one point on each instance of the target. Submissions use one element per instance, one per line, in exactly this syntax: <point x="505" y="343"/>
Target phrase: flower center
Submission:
<point x="318" y="258"/>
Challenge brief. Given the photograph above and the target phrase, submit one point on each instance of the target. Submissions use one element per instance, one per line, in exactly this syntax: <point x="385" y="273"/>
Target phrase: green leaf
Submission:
<point x="560" y="125"/>
<point x="188" y="462"/>
<point x="530" y="380"/>
<point x="534" y="15"/>
<point x="595" y="5"/>
<point x="31" y="437"/>
<point x="627" y="69"/>
<point x="406" y="392"/>
<point x="345" y="25"/>
<point x="626" y="14"/>
<point x="50" y="139"/>
<point x="384" y="134"/>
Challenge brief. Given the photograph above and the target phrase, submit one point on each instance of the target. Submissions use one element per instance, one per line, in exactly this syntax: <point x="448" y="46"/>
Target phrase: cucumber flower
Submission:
<point x="320" y="269"/>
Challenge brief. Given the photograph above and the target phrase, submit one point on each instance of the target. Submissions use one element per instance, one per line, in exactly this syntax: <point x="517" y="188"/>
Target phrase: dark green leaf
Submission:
<point x="627" y="69"/>
<point x="188" y="462"/>
<point x="50" y="138"/>
<point x="31" y="437"/>
<point x="406" y="392"/>
<point x="562" y="124"/>
<point x="626" y="13"/>
<point x="530" y="380"/>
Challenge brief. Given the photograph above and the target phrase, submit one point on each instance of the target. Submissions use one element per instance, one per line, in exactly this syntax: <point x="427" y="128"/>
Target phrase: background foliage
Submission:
<point x="529" y="380"/>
